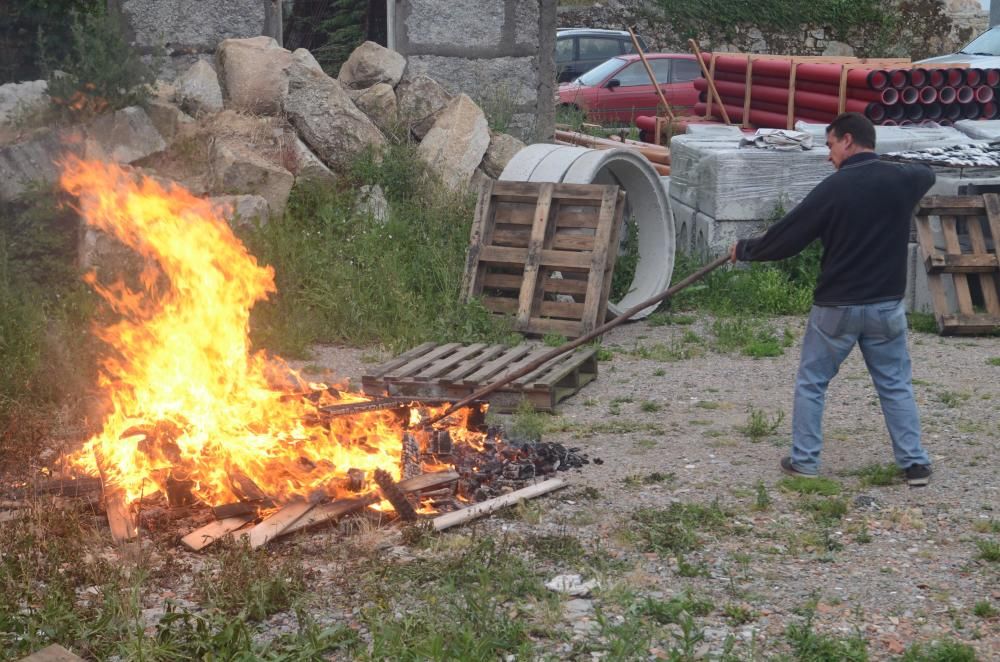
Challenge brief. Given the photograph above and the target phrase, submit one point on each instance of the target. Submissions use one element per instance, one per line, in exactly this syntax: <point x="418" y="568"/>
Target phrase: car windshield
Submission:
<point x="600" y="72"/>
<point x="987" y="43"/>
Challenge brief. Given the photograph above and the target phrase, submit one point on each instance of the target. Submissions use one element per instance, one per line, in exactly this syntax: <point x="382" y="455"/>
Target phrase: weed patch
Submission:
<point x="675" y="528"/>
<point x="672" y="610"/>
<point x="922" y="322"/>
<point x="749" y="337"/>
<point x="940" y="651"/>
<point x="811" y="646"/>
<point x="825" y="511"/>
<point x="989" y="550"/>
<point x="818" y="485"/>
<point x="759" y="425"/>
<point x="880" y="475"/>
<point x="249" y="583"/>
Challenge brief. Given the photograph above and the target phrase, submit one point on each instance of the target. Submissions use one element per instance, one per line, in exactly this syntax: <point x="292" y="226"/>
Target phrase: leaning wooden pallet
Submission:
<point x="972" y="303"/>
<point x="545" y="253"/>
<point x="455" y="371"/>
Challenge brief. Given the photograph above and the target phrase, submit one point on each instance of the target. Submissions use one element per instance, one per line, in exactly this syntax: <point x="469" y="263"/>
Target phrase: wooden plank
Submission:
<point x="486" y="372"/>
<point x="969" y="324"/>
<point x="530" y="294"/>
<point x="536" y="375"/>
<point x="52" y="653"/>
<point x="411" y="367"/>
<point x="276" y="523"/>
<point x="513" y="213"/>
<point x="557" y="309"/>
<point x="561" y="242"/>
<point x="598" y="261"/>
<point x="578" y="217"/>
<point x="988" y="283"/>
<point x="949" y="211"/>
<point x="517" y="191"/>
<point x="950" y="232"/>
<point x="938" y="297"/>
<point x="967" y="264"/>
<point x="479" y="236"/>
<point x="513" y="282"/>
<point x="967" y="203"/>
<point x="334" y="510"/>
<point x="461" y="371"/>
<point x="557" y="373"/>
<point x="535" y="354"/>
<point x="992" y="203"/>
<point x="392" y="364"/>
<point x="609" y="269"/>
<point x="216" y="530"/>
<point x="502" y="255"/>
<point x="490" y="506"/>
<point x="542" y="326"/>
<point x="450" y="362"/>
<point x="427" y="481"/>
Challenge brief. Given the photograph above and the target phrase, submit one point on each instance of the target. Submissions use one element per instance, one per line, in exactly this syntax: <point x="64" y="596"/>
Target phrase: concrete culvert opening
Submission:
<point x="646" y="203"/>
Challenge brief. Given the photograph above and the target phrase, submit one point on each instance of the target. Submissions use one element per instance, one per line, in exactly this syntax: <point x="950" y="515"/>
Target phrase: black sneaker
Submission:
<point x="789" y="468"/>
<point x="917" y="475"/>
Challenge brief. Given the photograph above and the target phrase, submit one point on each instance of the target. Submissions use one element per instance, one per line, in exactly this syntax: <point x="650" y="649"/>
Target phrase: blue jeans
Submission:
<point x="880" y="330"/>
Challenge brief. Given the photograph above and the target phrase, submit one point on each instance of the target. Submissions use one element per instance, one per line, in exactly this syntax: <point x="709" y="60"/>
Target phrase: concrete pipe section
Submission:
<point x="646" y="202"/>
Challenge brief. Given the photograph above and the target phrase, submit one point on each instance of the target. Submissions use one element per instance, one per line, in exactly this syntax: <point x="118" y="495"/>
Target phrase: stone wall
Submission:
<point x="183" y="31"/>
<point x="499" y="52"/>
<point x="930" y="27"/>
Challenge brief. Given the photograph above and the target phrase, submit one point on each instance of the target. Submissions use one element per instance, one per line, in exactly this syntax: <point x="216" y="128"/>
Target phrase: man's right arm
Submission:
<point x="788" y="236"/>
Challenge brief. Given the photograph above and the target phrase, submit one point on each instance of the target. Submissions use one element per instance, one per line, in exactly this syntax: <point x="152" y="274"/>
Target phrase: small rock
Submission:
<point x="571" y="585"/>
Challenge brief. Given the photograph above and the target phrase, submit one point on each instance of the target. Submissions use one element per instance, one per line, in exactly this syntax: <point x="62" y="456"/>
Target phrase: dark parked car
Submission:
<point x="619" y="90"/>
<point x="578" y="50"/>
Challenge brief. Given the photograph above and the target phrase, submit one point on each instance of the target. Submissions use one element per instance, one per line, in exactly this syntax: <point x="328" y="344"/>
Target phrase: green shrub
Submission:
<point x="100" y="72"/>
<point x="28" y="26"/>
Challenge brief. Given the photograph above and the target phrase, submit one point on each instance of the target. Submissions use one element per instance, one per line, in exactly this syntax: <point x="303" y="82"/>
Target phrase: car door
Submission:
<point x="566" y="68"/>
<point x="635" y="94"/>
<point x="680" y="91"/>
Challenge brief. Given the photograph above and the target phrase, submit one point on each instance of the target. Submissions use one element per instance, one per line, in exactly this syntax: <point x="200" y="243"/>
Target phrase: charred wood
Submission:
<point x="395" y="496"/>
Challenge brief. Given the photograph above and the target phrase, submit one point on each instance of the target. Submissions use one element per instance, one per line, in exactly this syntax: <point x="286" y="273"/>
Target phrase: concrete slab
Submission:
<point x="979" y="129"/>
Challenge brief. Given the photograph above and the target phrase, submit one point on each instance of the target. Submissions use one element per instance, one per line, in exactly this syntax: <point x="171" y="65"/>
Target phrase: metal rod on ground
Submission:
<point x="711" y="83"/>
<point x="573" y="344"/>
<point x="649" y="72"/>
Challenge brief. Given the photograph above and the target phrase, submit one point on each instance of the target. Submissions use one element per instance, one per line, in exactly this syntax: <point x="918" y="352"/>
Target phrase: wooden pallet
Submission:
<point x="960" y="255"/>
<point x="454" y="371"/>
<point x="545" y="253"/>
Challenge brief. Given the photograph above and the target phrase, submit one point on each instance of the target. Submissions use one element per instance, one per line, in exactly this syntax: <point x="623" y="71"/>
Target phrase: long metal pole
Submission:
<point x="573" y="344"/>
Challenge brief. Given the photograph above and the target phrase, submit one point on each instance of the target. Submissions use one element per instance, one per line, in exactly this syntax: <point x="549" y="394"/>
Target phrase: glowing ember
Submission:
<point x="189" y="401"/>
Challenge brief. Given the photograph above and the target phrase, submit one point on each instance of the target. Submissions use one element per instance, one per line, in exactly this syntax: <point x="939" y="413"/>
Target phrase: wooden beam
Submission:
<point x="333" y="510"/>
<point x="492" y="505"/>
<point x="427" y="481"/>
<point x="206" y="535"/>
<point x="276" y="523"/>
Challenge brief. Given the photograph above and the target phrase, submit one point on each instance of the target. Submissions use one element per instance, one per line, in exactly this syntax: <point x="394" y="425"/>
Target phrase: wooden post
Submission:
<point x="711" y="81"/>
<point x="842" y="96"/>
<point x="790" y="122"/>
<point x="492" y="505"/>
<point x="652" y="78"/>
<point x="747" y="94"/>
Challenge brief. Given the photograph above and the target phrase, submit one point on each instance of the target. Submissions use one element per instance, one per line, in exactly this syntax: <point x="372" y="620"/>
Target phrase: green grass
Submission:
<point x="880" y="475"/>
<point x="989" y="550"/>
<point x="940" y="651"/>
<point x="922" y="322"/>
<point x="747" y="336"/>
<point x="672" y="611"/>
<point x="343" y="278"/>
<point x="984" y="609"/>
<point x="810" y="646"/>
<point x="249" y="583"/>
<point x="993" y="360"/>
<point x="676" y="528"/>
<point x="760" y="425"/>
<point x="818" y="485"/>
<point x="825" y="510"/>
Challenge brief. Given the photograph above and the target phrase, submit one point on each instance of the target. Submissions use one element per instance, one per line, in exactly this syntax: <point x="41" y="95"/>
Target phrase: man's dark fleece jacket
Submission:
<point x="861" y="214"/>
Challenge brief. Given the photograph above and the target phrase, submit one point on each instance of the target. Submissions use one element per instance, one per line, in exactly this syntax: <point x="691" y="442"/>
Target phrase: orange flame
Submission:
<point x="189" y="400"/>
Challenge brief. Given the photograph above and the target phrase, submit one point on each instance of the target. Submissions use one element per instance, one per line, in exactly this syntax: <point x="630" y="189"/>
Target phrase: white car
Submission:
<point x="983" y="52"/>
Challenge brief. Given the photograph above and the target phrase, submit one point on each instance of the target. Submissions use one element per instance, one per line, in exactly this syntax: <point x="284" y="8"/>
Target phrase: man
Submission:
<point x="861" y="214"/>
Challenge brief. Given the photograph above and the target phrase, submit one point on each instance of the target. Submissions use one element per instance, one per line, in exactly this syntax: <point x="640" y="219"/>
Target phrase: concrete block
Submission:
<point x="472" y="25"/>
<point x="979" y="129"/>
<point x="683" y="224"/>
<point x="918" y="295"/>
<point x="898" y="138"/>
<point x="713" y="237"/>
<point x="949" y="180"/>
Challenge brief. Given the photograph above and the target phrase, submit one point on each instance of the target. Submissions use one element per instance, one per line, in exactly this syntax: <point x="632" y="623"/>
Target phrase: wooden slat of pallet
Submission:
<point x="557" y="309"/>
<point x="595" y="301"/>
<point x="528" y="191"/>
<point x="427" y="481"/>
<point x="216" y="530"/>
<point x="986" y="280"/>
<point x="527" y="298"/>
<point x="462" y="371"/>
<point x="950" y="231"/>
<point x="932" y="204"/>
<point x="925" y="237"/>
<point x="403" y="358"/>
<point x="992" y="203"/>
<point x="486" y="373"/>
<point x="415" y="365"/>
<point x="508" y="256"/>
<point x="275" y="524"/>
<point x="969" y="324"/>
<point x="582" y="365"/>
<point x="481" y="235"/>
<point x="545" y="325"/>
<point x="52" y="653"/>
<point x="549" y="284"/>
<point x="449" y="362"/>
<point x="561" y="242"/>
<point x="964" y="264"/>
<point x="327" y="512"/>
<point x="535" y="354"/>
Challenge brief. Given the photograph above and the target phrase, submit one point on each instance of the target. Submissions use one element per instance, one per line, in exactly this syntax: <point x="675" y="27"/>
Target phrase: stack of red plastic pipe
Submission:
<point x="886" y="96"/>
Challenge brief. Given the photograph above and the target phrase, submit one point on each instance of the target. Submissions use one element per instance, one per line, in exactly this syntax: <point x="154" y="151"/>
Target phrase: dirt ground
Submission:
<point x="902" y="565"/>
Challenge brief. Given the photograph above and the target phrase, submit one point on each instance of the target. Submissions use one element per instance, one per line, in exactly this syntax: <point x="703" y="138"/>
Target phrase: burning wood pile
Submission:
<point x="199" y="430"/>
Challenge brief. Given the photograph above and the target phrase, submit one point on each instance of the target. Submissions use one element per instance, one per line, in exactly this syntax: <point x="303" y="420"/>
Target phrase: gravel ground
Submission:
<point x="902" y="566"/>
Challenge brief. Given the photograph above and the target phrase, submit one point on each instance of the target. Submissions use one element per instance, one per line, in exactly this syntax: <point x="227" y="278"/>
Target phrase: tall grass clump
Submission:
<point x="344" y="276"/>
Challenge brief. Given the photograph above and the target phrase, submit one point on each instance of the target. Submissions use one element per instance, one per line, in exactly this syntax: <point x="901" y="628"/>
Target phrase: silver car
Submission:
<point x="983" y="52"/>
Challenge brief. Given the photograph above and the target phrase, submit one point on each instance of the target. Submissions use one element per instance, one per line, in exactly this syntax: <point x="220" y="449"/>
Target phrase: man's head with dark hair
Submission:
<point x="849" y="134"/>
